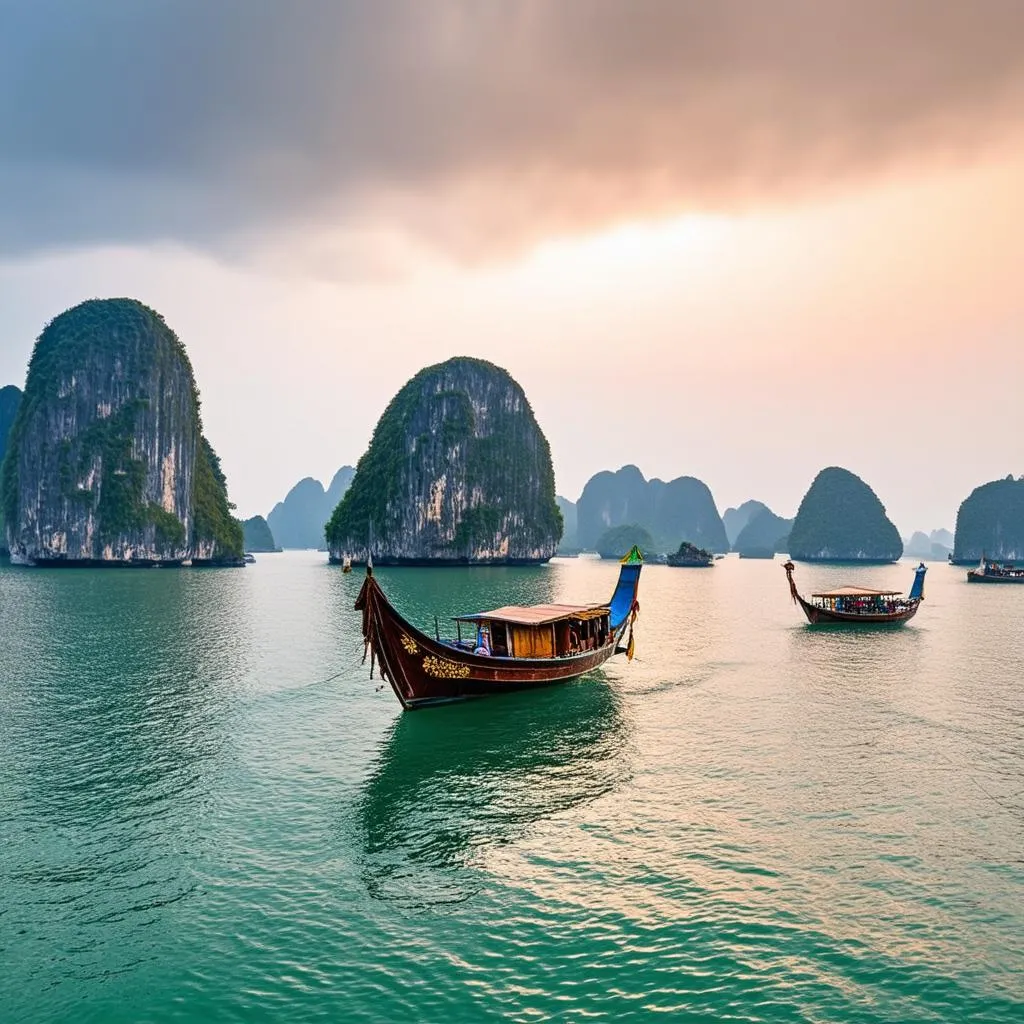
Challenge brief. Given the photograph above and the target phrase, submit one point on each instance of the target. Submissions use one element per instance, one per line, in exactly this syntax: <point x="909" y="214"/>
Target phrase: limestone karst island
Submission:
<point x="458" y="472"/>
<point x="106" y="461"/>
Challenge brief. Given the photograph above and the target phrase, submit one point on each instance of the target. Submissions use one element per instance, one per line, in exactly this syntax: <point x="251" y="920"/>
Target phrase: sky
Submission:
<point x="737" y="241"/>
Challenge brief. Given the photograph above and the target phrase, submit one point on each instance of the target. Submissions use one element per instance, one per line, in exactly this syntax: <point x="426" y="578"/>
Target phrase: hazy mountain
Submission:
<point x="569" y="541"/>
<point x="735" y="519"/>
<point x="682" y="509"/>
<point x="299" y="520"/>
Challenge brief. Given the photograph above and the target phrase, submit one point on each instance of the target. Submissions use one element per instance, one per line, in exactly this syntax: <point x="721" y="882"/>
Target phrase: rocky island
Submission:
<point x="617" y="541"/>
<point x="681" y="510"/>
<point x="990" y="523"/>
<point x="735" y="519"/>
<point x="258" y="538"/>
<point x="457" y="473"/>
<point x="107" y="464"/>
<point x="764" y="536"/>
<point x="10" y="399"/>
<point x="841" y="520"/>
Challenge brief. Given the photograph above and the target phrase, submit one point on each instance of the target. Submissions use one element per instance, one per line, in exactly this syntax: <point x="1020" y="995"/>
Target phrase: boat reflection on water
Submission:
<point x="452" y="785"/>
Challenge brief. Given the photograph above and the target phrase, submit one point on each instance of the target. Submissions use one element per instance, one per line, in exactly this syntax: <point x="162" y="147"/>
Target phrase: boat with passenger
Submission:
<point x="988" y="571"/>
<point x="509" y="648"/>
<point x="851" y="605"/>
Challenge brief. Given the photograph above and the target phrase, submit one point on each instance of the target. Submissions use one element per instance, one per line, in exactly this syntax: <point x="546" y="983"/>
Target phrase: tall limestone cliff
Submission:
<point x="991" y="522"/>
<point x="457" y="472"/>
<point x="10" y="399"/>
<point x="682" y="509"/>
<point x="841" y="520"/>
<point x="107" y="463"/>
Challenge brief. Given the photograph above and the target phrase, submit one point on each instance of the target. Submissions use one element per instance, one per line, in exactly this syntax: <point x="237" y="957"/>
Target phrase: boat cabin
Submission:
<point x="860" y="601"/>
<point x="537" y="631"/>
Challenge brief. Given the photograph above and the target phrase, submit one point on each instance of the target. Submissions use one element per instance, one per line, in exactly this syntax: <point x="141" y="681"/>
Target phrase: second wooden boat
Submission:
<point x="859" y="606"/>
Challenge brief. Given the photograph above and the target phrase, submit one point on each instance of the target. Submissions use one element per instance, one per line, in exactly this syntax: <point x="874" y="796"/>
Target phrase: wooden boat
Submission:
<point x="511" y="648"/>
<point x="988" y="571"/>
<point x="691" y="557"/>
<point x="858" y="605"/>
<point x="346" y="565"/>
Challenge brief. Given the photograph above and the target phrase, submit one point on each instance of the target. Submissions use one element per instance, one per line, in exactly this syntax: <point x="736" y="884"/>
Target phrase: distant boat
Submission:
<point x="690" y="556"/>
<point x="859" y="605"/>
<point x="510" y="648"/>
<point x="249" y="558"/>
<point x="346" y="565"/>
<point x="988" y="571"/>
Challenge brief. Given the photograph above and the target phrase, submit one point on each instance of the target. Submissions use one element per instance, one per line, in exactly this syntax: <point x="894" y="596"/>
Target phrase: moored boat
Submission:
<point x="988" y="571"/>
<point x="853" y="606"/>
<point x="510" y="648"/>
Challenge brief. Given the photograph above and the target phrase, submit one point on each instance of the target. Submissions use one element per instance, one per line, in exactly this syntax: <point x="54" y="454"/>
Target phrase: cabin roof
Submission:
<point x="857" y="592"/>
<point x="537" y="614"/>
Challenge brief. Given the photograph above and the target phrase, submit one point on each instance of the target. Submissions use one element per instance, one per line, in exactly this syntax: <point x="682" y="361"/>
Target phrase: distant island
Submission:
<point x="300" y="520"/>
<point x="690" y="556"/>
<point x="10" y="400"/>
<point x="569" y="544"/>
<point x="258" y="537"/>
<point x="107" y="463"/>
<point x="458" y="472"/>
<point x="681" y="510"/>
<point x="617" y="541"/>
<point x="841" y="520"/>
<point x="764" y="536"/>
<point x="929" y="546"/>
<point x="735" y="519"/>
<point x="990" y="523"/>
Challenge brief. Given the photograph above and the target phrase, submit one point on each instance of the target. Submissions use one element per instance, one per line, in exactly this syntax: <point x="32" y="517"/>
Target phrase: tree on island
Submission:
<point x="616" y="541"/>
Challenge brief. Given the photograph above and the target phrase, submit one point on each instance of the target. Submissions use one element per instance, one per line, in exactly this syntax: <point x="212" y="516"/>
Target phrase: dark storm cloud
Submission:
<point x="473" y="123"/>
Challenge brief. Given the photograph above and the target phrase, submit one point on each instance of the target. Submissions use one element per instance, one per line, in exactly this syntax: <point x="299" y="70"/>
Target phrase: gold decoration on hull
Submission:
<point x="409" y="644"/>
<point x="441" y="668"/>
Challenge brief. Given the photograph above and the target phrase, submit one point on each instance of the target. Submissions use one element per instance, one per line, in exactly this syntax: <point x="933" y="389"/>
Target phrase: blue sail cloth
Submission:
<point x="621" y="603"/>
<point x="917" y="590"/>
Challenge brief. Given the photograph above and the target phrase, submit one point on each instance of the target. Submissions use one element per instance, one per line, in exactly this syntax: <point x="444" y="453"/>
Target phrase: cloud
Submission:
<point x="473" y="125"/>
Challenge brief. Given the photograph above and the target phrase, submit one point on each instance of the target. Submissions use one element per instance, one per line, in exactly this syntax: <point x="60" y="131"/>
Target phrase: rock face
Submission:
<point x="841" y="520"/>
<point x="10" y="399"/>
<point x="300" y="520"/>
<point x="258" y="537"/>
<point x="764" y="535"/>
<point x="569" y="541"/>
<point x="991" y="522"/>
<point x="682" y="509"/>
<point x="107" y="462"/>
<point x="457" y="472"/>
<point x="735" y="519"/>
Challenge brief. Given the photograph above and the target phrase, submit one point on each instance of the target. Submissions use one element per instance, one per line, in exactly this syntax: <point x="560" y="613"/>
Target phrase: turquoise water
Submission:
<point x="752" y="821"/>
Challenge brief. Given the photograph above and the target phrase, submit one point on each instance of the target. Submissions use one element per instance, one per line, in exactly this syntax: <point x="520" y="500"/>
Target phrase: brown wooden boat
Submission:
<point x="859" y="606"/>
<point x="512" y="648"/>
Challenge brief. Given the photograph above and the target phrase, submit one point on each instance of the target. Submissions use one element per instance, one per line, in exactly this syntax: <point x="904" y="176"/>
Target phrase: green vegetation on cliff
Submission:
<point x="990" y="522"/>
<point x="258" y="537"/>
<point x="212" y="521"/>
<point x="616" y="541"/>
<point x="457" y="469"/>
<point x="841" y="519"/>
<point x="104" y="441"/>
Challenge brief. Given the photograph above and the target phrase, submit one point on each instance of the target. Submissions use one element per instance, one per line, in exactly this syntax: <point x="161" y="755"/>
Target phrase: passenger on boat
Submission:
<point x="483" y="642"/>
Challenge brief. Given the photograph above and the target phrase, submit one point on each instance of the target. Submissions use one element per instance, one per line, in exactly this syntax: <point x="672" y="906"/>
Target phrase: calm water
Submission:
<point x="752" y="821"/>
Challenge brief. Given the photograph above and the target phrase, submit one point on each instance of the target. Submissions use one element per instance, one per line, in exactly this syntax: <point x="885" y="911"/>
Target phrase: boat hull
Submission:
<point x="424" y="671"/>
<point x="978" y="577"/>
